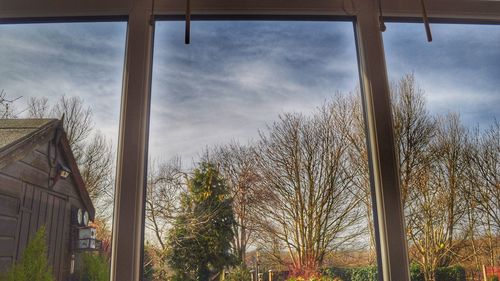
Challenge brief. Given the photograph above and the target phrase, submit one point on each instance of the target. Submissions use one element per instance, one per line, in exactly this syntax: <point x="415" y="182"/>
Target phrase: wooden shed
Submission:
<point x="39" y="185"/>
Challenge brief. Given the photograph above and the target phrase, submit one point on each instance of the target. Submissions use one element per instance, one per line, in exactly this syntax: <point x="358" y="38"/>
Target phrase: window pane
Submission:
<point x="257" y="152"/>
<point x="59" y="108"/>
<point x="445" y="105"/>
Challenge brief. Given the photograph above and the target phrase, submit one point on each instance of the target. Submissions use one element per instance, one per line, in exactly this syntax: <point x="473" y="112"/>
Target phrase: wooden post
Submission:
<point x="270" y="275"/>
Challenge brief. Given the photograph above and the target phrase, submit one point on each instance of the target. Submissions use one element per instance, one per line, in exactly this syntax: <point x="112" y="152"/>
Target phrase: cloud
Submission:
<point x="73" y="59"/>
<point x="458" y="70"/>
<point x="236" y="77"/>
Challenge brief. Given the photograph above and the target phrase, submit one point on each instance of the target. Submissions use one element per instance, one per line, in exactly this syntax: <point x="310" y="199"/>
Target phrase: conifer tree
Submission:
<point x="200" y="240"/>
<point x="33" y="265"/>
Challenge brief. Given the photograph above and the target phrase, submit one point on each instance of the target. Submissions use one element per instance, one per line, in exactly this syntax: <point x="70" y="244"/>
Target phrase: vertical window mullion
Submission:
<point x="392" y="246"/>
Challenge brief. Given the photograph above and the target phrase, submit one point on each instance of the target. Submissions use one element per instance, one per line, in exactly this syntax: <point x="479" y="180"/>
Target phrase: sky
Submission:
<point x="72" y="59"/>
<point x="237" y="76"/>
<point x="459" y="70"/>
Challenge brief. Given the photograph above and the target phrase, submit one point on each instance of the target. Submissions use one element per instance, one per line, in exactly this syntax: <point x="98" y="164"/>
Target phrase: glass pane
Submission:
<point x="59" y="111"/>
<point x="445" y="105"/>
<point x="257" y="158"/>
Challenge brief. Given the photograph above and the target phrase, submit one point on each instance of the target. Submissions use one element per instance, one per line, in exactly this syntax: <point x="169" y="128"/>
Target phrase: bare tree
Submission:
<point x="309" y="202"/>
<point x="358" y="156"/>
<point x="38" y="107"/>
<point x="484" y="178"/>
<point x="435" y="208"/>
<point x="485" y="173"/>
<point x="165" y="182"/>
<point x="414" y="130"/>
<point x="96" y="167"/>
<point x="7" y="109"/>
<point x="77" y="122"/>
<point x="237" y="165"/>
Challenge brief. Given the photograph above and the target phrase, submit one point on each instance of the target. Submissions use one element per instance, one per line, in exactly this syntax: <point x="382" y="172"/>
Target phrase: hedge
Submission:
<point x="369" y="273"/>
<point x="451" y="273"/>
<point x="365" y="273"/>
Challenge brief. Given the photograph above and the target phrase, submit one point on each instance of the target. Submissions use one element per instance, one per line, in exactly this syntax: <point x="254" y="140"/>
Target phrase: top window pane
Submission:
<point x="59" y="110"/>
<point x="263" y="120"/>
<point x="445" y="104"/>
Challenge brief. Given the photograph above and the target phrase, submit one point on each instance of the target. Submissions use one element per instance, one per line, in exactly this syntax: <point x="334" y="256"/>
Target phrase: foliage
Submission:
<point x="416" y="272"/>
<point x="451" y="273"/>
<point x="199" y="243"/>
<point x="339" y="273"/>
<point x="155" y="264"/>
<point x="95" y="267"/>
<point x="240" y="273"/>
<point x="149" y="271"/>
<point x="319" y="278"/>
<point x="493" y="278"/>
<point x="367" y="273"/>
<point x="33" y="265"/>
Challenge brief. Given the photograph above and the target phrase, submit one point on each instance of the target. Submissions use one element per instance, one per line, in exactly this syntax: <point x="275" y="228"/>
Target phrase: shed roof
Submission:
<point x="12" y="130"/>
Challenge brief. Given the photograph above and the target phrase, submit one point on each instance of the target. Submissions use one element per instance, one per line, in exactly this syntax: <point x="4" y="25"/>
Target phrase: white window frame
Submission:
<point x="128" y="226"/>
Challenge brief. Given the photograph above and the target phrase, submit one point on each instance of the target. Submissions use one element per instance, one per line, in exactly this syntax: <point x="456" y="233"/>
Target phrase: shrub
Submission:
<point x="493" y="278"/>
<point x="321" y="278"/>
<point x="94" y="268"/>
<point x="240" y="273"/>
<point x="33" y="265"/>
<point x="416" y="272"/>
<point x="451" y="273"/>
<point x="338" y="273"/>
<point x="367" y="273"/>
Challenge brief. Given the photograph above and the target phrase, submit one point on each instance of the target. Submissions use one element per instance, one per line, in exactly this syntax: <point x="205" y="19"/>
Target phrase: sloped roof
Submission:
<point x="13" y="130"/>
<point x="18" y="136"/>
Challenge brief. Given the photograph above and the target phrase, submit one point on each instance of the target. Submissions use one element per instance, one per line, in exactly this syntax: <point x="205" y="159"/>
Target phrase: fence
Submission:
<point x="490" y="271"/>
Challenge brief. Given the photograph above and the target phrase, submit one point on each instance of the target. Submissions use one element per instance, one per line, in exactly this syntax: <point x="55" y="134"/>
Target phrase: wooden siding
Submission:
<point x="29" y="201"/>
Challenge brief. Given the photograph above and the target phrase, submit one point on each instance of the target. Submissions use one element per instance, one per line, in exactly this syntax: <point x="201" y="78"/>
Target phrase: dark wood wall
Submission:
<point x="29" y="200"/>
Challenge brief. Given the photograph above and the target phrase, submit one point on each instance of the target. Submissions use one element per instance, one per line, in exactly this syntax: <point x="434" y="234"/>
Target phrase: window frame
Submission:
<point x="132" y="154"/>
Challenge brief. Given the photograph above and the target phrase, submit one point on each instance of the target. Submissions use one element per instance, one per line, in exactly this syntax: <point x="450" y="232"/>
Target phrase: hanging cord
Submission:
<point x="152" y="17"/>
<point x="188" y="22"/>
<point x="381" y="17"/>
<point x="426" y="22"/>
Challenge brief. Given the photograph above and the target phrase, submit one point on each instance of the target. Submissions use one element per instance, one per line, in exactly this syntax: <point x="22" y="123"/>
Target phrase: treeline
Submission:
<point x="302" y="190"/>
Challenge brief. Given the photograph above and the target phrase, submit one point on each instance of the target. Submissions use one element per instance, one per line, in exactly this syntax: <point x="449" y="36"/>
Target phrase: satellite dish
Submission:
<point x="85" y="218"/>
<point x="79" y="217"/>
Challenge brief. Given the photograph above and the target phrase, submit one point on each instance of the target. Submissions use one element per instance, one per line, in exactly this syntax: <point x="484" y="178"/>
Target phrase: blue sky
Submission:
<point x="72" y="59"/>
<point x="237" y="76"/>
<point x="459" y="71"/>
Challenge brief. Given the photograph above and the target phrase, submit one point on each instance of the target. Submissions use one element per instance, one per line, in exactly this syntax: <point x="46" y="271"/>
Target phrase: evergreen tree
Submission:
<point x="33" y="265"/>
<point x="200" y="240"/>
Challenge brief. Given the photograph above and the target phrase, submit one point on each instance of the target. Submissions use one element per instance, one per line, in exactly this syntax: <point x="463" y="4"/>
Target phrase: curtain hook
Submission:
<point x="426" y="22"/>
<point x="381" y="17"/>
<point x="188" y="22"/>
<point x="152" y="17"/>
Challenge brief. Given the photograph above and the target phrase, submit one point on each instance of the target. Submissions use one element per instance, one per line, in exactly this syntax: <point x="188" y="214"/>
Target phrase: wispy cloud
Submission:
<point x="73" y="59"/>
<point x="459" y="70"/>
<point x="236" y="77"/>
